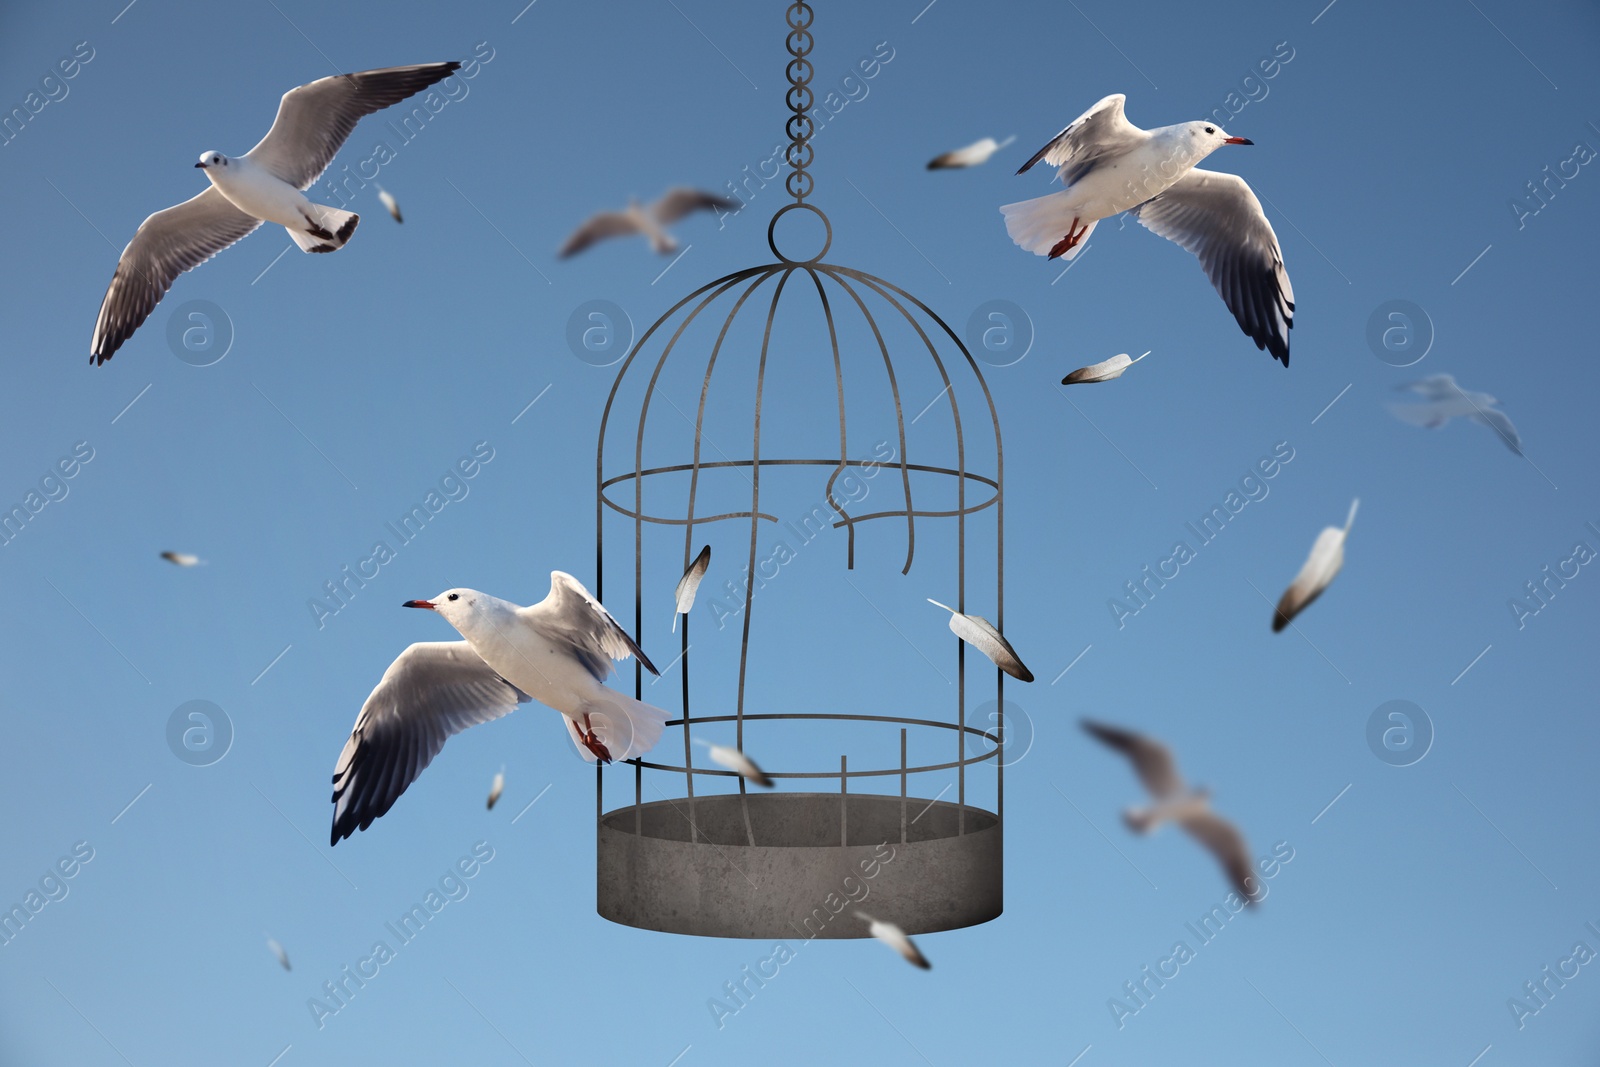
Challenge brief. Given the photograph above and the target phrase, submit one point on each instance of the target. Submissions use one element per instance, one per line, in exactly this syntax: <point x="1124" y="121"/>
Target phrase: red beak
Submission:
<point x="1237" y="140"/>
<point x="419" y="604"/>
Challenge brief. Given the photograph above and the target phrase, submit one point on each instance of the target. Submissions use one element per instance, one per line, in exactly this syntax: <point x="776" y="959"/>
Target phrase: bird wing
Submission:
<point x="1320" y="568"/>
<point x="980" y="633"/>
<point x="571" y="615"/>
<point x="1434" y="387"/>
<point x="598" y="228"/>
<point x="1217" y="217"/>
<point x="1227" y="844"/>
<point x="315" y="120"/>
<point x="1152" y="761"/>
<point x="1101" y="131"/>
<point x="167" y="243"/>
<point x="433" y="690"/>
<point x="1500" y="423"/>
<point x="677" y="203"/>
<point x="689" y="584"/>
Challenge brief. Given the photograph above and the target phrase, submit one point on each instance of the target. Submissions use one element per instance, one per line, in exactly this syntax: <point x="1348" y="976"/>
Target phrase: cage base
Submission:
<point x="798" y="880"/>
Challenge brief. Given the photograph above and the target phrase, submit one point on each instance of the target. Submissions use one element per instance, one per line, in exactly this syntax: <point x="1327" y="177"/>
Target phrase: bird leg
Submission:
<point x="593" y="743"/>
<point x="1070" y="241"/>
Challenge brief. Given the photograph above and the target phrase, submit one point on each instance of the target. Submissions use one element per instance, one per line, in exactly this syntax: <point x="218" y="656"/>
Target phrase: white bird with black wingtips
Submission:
<point x="558" y="652"/>
<point x="1109" y="166"/>
<point x="264" y="185"/>
<point x="651" y="220"/>
<point x="1176" y="802"/>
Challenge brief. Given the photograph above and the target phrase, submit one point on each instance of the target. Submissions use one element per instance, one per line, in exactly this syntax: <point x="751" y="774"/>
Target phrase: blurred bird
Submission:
<point x="650" y="221"/>
<point x="277" y="950"/>
<point x="895" y="938"/>
<point x="981" y="635"/>
<point x="735" y="760"/>
<point x="1109" y="165"/>
<point x="1327" y="557"/>
<point x="1176" y="802"/>
<point x="1102" y="372"/>
<point x="976" y="153"/>
<point x="497" y="787"/>
<point x="263" y="185"/>
<point x="388" y="201"/>
<point x="181" y="559"/>
<point x="689" y="584"/>
<point x="1445" y="400"/>
<point x="558" y="651"/>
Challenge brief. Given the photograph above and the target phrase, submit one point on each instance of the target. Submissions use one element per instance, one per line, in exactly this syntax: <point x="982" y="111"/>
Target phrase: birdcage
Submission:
<point x="737" y="421"/>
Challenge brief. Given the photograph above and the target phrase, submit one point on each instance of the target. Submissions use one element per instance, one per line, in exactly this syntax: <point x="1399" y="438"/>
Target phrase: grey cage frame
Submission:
<point x="698" y="867"/>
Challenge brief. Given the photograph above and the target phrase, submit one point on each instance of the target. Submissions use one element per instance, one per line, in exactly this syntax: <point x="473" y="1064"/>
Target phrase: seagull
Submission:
<point x="673" y="205"/>
<point x="1109" y="165"/>
<point x="181" y="559"/>
<point x="277" y="950"/>
<point x="980" y="633"/>
<point x="975" y="154"/>
<point x="263" y="185"/>
<point x="1445" y="400"/>
<point x="1176" y="802"/>
<point x="736" y="761"/>
<point x="497" y="787"/>
<point x="386" y="198"/>
<point x="1327" y="556"/>
<point x="558" y="652"/>
<point x="895" y="938"/>
<point x="1102" y="372"/>
<point x="689" y="584"/>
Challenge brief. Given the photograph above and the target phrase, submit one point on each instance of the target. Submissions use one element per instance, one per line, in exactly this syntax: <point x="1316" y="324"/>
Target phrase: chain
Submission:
<point x="799" y="98"/>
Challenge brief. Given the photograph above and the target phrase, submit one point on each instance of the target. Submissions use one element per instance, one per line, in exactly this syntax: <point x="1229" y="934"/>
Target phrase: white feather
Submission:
<point x="980" y="633"/>
<point x="1321" y="566"/>
<point x="1102" y="372"/>
<point x="895" y="938"/>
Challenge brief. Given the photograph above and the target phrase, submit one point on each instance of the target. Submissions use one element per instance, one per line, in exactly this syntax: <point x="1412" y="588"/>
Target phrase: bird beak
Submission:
<point x="1238" y="140"/>
<point x="419" y="604"/>
<point x="202" y="166"/>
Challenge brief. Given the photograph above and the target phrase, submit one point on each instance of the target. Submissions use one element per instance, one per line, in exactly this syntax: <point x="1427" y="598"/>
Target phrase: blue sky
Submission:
<point x="1389" y="151"/>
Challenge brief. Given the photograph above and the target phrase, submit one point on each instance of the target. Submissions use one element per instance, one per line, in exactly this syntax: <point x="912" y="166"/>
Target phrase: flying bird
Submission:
<point x="1444" y="400"/>
<point x="975" y="154"/>
<point x="181" y="559"/>
<point x="648" y="220"/>
<point x="497" y="787"/>
<point x="558" y="652"/>
<point x="735" y="760"/>
<point x="1102" y="372"/>
<point x="386" y="198"/>
<point x="277" y="950"/>
<point x="1176" y="802"/>
<point x="1109" y="165"/>
<point x="1327" y="556"/>
<point x="895" y="938"/>
<point x="263" y="185"/>
<point x="978" y="632"/>
<point x="689" y="584"/>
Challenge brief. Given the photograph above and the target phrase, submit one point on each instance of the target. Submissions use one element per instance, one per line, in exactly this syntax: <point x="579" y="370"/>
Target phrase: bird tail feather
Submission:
<point x="328" y="229"/>
<point x="1038" y="225"/>
<point x="627" y="727"/>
